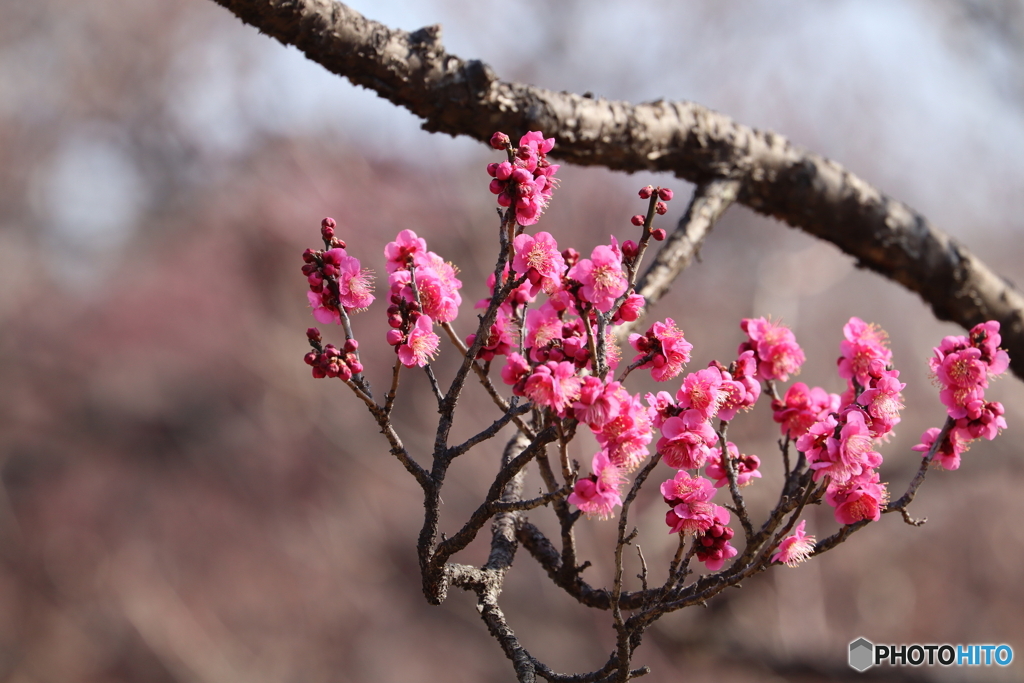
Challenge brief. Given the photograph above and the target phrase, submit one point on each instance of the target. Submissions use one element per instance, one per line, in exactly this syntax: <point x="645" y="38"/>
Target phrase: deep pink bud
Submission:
<point x="496" y="186"/>
<point x="646" y="192"/>
<point x="660" y="208"/>
<point x="571" y="256"/>
<point x="313" y="335"/>
<point x="351" y="345"/>
<point x="492" y="170"/>
<point x="355" y="366"/>
<point x="500" y="141"/>
<point x="308" y="256"/>
<point x="395" y="337"/>
<point x="629" y="249"/>
<point x="311" y="358"/>
<point x="665" y="194"/>
<point x="318" y="372"/>
<point x="394" y="321"/>
<point x="658" y="234"/>
<point x="637" y="220"/>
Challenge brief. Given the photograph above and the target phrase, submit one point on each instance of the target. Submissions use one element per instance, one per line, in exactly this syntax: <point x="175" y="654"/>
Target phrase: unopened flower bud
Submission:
<point x="313" y="335"/>
<point x="637" y="220"/>
<point x="660" y="208"/>
<point x="351" y="345"/>
<point x="496" y="186"/>
<point x="355" y="366"/>
<point x="658" y="234"/>
<point x="629" y="249"/>
<point x="337" y="243"/>
<point x="311" y="358"/>
<point x="492" y="170"/>
<point x="309" y="256"/>
<point x="395" y="337"/>
<point x="646" y="192"/>
<point x="571" y="256"/>
<point x="318" y="372"/>
<point x="395" y="321"/>
<point x="665" y="194"/>
<point x="500" y="141"/>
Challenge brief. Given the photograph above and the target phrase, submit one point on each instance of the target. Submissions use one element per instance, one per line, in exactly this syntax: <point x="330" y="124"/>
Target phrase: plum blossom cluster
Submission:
<point x="424" y="290"/>
<point x="336" y="280"/>
<point x="839" y="435"/>
<point x="550" y="318"/>
<point x="963" y="366"/>
<point x="329" y="360"/>
<point x="527" y="179"/>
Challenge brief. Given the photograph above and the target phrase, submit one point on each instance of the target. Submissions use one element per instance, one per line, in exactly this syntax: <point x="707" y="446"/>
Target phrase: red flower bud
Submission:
<point x="500" y="141"/>
<point x="658" y="234"/>
<point x="660" y="208"/>
<point x="637" y="219"/>
<point x="665" y="194"/>
<point x="646" y="192"/>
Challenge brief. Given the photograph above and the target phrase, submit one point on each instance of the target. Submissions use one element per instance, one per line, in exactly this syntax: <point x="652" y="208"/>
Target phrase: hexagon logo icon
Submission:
<point x="862" y="654"/>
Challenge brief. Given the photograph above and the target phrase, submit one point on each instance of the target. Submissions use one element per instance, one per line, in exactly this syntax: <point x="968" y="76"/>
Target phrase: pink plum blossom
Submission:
<point x="686" y="440"/>
<point x="796" y="547"/>
<point x="421" y="344"/>
<point x="860" y="498"/>
<point x="626" y="436"/>
<point x="599" y="493"/>
<point x="598" y="404"/>
<point x="537" y="257"/>
<point x="668" y="349"/>
<point x="883" y="402"/>
<point x="601" y="276"/>
<point x="702" y="391"/>
<point x="691" y="512"/>
<point x="949" y="452"/>
<point x="801" y="407"/>
<point x="405" y="246"/>
<point x="864" y="351"/>
<point x="745" y="466"/>
<point x="778" y="355"/>
<point x="554" y="385"/>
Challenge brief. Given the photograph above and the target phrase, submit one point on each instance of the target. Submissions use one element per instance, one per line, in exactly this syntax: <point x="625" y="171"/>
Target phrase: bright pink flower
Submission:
<point x="691" y="512"/>
<point x="554" y="385"/>
<point x="701" y="391"/>
<point x="601" y="276"/>
<point x="631" y="308"/>
<point x="501" y="337"/>
<point x="516" y="369"/>
<point x="861" y="498"/>
<point x="421" y="345"/>
<point x="796" y="547"/>
<point x="543" y="326"/>
<point x="985" y="337"/>
<point x="713" y="548"/>
<point x="662" y="407"/>
<point x="686" y="440"/>
<point x="983" y="421"/>
<point x="325" y="314"/>
<point x="883" y="402"/>
<point x="598" y="404"/>
<point x="626" y="437"/>
<point x="864" y="351"/>
<point x="740" y="387"/>
<point x="802" y="407"/>
<point x="814" y="443"/>
<point x="355" y="286"/>
<point x="778" y="354"/>
<point x="438" y="287"/>
<point x="537" y="257"/>
<point x="850" y="455"/>
<point x="745" y="466"/>
<point x="963" y="369"/>
<point x="948" y="453"/>
<point x="599" y="493"/>
<point x="405" y="246"/>
<point x="669" y="349"/>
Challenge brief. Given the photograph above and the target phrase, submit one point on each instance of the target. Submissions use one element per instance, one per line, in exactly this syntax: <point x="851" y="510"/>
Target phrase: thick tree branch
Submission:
<point x="777" y="178"/>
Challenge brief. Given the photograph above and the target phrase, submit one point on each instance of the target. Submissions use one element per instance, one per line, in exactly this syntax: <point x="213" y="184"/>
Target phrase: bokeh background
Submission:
<point x="181" y="502"/>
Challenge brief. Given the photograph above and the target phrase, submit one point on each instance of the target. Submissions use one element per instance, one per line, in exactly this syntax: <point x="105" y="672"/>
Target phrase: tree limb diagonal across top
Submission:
<point x="777" y="178"/>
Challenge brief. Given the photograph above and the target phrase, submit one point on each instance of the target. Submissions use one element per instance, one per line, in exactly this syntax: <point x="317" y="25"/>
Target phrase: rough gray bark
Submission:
<point x="777" y="178"/>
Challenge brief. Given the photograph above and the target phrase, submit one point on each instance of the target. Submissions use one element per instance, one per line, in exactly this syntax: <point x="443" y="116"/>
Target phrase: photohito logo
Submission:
<point x="864" y="654"/>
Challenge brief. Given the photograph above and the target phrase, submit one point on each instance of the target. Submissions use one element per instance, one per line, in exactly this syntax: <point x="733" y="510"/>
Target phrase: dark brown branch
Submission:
<point x="776" y="178"/>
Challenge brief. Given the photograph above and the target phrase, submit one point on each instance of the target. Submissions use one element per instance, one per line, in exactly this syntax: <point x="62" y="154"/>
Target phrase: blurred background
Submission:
<point x="181" y="502"/>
